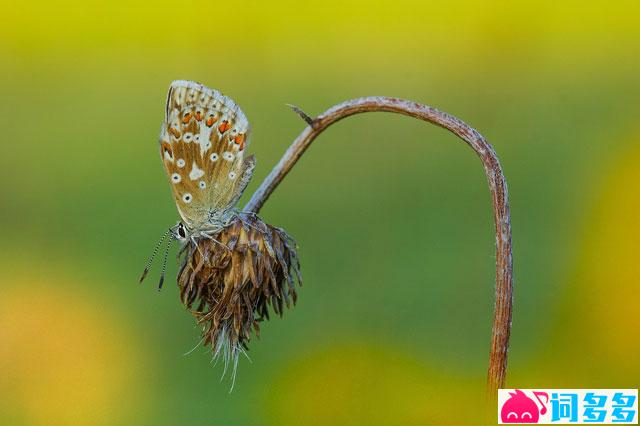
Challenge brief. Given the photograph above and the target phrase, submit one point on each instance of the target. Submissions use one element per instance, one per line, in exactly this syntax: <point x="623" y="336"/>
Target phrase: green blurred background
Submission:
<point x="392" y="216"/>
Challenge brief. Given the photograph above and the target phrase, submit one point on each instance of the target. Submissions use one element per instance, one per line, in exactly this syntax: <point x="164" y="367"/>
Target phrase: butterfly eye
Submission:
<point x="181" y="232"/>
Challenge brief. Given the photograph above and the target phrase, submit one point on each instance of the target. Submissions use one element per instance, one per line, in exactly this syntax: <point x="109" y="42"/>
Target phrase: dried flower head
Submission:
<point x="231" y="281"/>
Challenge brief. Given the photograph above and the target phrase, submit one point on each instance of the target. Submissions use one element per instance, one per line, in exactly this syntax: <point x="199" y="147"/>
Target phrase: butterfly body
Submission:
<point x="203" y="140"/>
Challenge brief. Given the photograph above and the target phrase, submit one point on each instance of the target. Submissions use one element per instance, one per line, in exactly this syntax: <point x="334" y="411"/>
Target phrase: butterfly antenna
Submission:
<point x="164" y="262"/>
<point x="153" y="255"/>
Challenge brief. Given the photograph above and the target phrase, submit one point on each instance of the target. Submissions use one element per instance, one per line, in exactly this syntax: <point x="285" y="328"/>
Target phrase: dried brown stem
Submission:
<point x="497" y="185"/>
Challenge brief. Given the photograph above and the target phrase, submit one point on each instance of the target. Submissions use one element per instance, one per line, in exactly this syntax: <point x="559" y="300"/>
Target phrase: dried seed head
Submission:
<point x="231" y="281"/>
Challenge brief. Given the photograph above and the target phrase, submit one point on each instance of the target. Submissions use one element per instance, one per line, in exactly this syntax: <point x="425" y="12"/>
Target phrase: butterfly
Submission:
<point x="203" y="140"/>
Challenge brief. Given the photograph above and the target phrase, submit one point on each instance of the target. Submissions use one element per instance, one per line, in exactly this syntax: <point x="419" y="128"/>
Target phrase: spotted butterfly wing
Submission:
<point x="202" y="145"/>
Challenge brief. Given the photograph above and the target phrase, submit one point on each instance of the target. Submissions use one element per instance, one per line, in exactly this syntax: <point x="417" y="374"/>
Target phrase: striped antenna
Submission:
<point x="164" y="262"/>
<point x="153" y="255"/>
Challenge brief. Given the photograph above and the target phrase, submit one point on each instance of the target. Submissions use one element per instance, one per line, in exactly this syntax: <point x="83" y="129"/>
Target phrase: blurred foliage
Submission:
<point x="392" y="216"/>
<point x="601" y="307"/>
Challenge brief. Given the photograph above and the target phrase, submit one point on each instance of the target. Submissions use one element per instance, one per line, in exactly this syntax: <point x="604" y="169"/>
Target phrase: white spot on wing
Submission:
<point x="228" y="155"/>
<point x="202" y="184"/>
<point x="214" y="157"/>
<point x="202" y="139"/>
<point x="196" y="172"/>
<point x="187" y="198"/>
<point x="180" y="163"/>
<point x="176" y="178"/>
<point x="232" y="175"/>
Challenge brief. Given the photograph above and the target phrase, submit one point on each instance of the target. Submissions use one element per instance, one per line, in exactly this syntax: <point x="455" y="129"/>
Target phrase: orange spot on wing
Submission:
<point x="212" y="119"/>
<point x="174" y="132"/>
<point x="224" y="126"/>
<point x="187" y="117"/>
<point x="198" y="116"/>
<point x="166" y="147"/>
<point x="239" y="140"/>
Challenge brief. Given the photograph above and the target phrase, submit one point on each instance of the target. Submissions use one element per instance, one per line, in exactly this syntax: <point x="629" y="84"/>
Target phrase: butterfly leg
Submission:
<point x="215" y="241"/>
<point x="248" y="213"/>
<point x="195" y="243"/>
<point x="262" y="231"/>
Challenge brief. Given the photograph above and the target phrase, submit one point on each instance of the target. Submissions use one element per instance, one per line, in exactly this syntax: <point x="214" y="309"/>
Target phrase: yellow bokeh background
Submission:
<point x="392" y="216"/>
<point x="59" y="351"/>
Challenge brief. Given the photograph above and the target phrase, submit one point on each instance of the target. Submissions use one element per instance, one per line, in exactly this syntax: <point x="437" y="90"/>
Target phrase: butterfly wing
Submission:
<point x="202" y="144"/>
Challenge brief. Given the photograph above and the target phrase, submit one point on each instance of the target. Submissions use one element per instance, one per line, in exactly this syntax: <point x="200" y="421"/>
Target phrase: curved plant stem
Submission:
<point x="497" y="185"/>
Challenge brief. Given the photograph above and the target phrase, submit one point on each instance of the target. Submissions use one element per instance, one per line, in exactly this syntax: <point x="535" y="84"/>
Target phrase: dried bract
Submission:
<point x="232" y="280"/>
